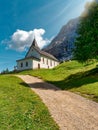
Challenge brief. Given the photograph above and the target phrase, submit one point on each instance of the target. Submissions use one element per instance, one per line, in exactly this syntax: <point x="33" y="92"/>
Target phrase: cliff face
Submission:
<point x="62" y="45"/>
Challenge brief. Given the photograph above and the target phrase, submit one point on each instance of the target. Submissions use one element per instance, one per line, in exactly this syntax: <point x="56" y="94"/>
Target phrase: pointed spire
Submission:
<point x="34" y="43"/>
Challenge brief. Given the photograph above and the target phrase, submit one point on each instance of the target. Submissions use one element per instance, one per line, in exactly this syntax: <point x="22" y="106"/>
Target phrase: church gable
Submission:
<point x="34" y="51"/>
<point x="35" y="59"/>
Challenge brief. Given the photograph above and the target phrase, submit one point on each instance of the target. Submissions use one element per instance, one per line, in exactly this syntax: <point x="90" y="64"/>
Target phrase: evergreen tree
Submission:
<point x="86" y="45"/>
<point x="5" y="71"/>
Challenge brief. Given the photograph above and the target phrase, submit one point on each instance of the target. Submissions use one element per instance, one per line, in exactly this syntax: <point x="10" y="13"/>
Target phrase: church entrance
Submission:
<point x="38" y="66"/>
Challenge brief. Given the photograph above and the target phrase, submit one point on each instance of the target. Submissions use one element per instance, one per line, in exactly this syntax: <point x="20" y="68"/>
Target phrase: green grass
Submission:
<point x="72" y="76"/>
<point x="21" y="108"/>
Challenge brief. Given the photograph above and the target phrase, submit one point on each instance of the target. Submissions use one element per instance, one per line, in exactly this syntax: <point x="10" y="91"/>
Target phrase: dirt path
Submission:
<point x="70" y="111"/>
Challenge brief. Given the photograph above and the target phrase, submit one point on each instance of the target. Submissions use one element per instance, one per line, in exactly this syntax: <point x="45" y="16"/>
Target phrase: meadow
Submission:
<point x="72" y="76"/>
<point x="21" y="108"/>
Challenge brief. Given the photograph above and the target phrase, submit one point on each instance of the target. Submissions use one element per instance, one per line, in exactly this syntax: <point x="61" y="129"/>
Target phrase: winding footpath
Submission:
<point x="69" y="110"/>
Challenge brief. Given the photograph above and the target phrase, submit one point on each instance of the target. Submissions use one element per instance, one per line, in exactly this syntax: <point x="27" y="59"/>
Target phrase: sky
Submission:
<point x="22" y="20"/>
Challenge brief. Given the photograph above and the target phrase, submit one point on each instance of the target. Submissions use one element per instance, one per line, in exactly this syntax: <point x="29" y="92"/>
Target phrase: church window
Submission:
<point x="54" y="63"/>
<point x="43" y="60"/>
<point x="26" y="64"/>
<point x="21" y="64"/>
<point x="50" y="62"/>
<point x="47" y="61"/>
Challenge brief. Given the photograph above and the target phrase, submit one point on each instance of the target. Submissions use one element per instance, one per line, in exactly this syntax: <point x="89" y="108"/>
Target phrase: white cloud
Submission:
<point x="20" y="40"/>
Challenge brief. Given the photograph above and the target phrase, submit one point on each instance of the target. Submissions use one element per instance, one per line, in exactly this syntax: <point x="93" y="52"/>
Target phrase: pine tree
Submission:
<point x="86" y="45"/>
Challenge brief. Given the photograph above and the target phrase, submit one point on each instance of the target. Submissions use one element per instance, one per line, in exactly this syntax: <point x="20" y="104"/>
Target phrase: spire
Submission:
<point x="35" y="46"/>
<point x="34" y="43"/>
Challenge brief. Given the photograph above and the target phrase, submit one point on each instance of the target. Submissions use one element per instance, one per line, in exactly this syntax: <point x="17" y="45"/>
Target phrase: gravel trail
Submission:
<point x="69" y="110"/>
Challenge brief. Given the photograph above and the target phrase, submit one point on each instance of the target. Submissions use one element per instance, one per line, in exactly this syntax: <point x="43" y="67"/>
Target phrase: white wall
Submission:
<point x="43" y="64"/>
<point x="33" y="64"/>
<point x="30" y="64"/>
<point x="34" y="53"/>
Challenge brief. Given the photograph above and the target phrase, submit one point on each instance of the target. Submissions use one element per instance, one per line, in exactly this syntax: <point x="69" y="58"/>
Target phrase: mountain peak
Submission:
<point x="62" y="45"/>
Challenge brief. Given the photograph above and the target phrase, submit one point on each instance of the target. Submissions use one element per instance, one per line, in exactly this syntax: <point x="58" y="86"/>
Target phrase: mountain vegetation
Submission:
<point x="86" y="45"/>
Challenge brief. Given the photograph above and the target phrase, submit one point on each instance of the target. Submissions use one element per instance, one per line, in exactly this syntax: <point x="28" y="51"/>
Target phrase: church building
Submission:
<point x="36" y="59"/>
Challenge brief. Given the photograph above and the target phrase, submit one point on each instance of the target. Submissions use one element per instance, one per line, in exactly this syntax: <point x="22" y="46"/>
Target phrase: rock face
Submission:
<point x="62" y="45"/>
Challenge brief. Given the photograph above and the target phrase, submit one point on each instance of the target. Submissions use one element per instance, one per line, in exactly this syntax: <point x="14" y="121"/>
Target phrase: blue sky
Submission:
<point x="21" y="20"/>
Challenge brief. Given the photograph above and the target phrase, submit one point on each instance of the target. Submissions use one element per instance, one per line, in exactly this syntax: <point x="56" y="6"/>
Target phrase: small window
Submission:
<point x="21" y="64"/>
<point x="43" y="60"/>
<point x="47" y="61"/>
<point x="54" y="63"/>
<point x="50" y="62"/>
<point x="26" y="64"/>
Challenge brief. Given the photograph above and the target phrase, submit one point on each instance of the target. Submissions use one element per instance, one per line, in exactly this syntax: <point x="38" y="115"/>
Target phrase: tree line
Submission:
<point x="86" y="44"/>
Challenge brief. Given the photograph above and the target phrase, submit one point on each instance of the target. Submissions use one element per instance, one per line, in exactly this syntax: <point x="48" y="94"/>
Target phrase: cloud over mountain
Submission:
<point x="20" y="40"/>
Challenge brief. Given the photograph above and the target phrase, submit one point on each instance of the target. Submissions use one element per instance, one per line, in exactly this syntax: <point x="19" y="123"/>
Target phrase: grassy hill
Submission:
<point x="72" y="76"/>
<point x="21" y="108"/>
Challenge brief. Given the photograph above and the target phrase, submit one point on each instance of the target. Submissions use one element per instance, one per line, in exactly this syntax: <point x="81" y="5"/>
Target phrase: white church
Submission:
<point x="36" y="59"/>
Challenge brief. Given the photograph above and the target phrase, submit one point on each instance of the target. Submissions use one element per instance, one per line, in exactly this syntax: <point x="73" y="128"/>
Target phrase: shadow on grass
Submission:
<point x="77" y="80"/>
<point x="72" y="81"/>
<point x="24" y="84"/>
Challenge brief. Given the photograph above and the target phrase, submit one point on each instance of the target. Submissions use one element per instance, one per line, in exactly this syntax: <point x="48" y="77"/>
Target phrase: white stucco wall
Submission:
<point x="30" y="64"/>
<point x="35" y="64"/>
<point x="43" y="64"/>
<point x="34" y="53"/>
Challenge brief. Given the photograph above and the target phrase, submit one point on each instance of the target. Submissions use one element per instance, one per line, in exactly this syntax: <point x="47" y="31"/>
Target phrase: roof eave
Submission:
<point x="28" y="58"/>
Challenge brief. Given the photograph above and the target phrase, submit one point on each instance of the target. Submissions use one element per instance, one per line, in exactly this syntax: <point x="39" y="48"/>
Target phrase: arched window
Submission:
<point x="50" y="62"/>
<point x="26" y="64"/>
<point x="47" y="61"/>
<point x="43" y="60"/>
<point x="21" y="64"/>
<point x="54" y="63"/>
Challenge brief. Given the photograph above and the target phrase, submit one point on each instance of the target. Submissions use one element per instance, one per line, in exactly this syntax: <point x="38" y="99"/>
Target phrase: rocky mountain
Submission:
<point x="62" y="45"/>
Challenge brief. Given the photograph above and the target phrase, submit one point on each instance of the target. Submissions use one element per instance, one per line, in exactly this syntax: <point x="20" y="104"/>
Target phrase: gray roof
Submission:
<point x="44" y="53"/>
<point x="34" y="43"/>
<point x="35" y="46"/>
<point x="31" y="57"/>
<point x="48" y="55"/>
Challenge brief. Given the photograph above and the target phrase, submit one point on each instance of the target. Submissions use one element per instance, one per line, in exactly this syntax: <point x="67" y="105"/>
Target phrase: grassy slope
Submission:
<point x="22" y="109"/>
<point x="71" y="76"/>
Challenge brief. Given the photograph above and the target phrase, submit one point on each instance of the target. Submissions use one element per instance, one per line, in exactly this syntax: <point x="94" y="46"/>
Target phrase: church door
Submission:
<point x="38" y="66"/>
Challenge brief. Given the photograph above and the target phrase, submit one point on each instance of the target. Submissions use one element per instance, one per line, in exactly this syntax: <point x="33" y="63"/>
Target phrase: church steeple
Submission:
<point x="34" y="46"/>
<point x="34" y="43"/>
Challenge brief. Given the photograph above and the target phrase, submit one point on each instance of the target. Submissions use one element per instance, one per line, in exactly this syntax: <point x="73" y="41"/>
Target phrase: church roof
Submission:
<point x="35" y="46"/>
<point x="34" y="43"/>
<point x="31" y="57"/>
<point x="48" y="55"/>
